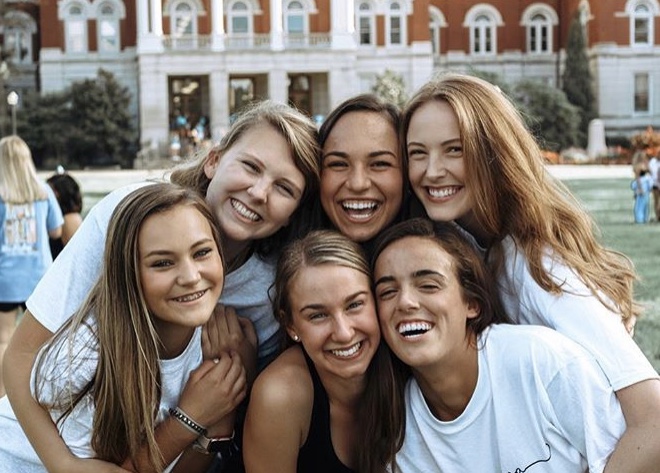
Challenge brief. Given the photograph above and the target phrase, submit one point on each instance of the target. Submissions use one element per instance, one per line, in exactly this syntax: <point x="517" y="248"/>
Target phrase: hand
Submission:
<point x="225" y="332"/>
<point x="214" y="389"/>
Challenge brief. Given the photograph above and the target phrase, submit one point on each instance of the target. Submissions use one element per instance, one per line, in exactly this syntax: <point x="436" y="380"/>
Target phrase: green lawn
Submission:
<point x="610" y="202"/>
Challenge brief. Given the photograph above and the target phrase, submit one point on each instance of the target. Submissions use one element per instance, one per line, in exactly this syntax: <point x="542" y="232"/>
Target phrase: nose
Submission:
<point x="407" y="301"/>
<point x="358" y="179"/>
<point x="188" y="273"/>
<point x="437" y="166"/>
<point x="343" y="329"/>
<point x="259" y="190"/>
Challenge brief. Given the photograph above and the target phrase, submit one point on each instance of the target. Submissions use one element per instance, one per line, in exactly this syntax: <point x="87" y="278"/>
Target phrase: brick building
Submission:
<point x="206" y="58"/>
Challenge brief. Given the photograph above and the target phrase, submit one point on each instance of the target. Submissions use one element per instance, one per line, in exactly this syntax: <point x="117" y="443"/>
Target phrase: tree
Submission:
<point x="104" y="132"/>
<point x="577" y="79"/>
<point x="390" y="87"/>
<point x="548" y="113"/>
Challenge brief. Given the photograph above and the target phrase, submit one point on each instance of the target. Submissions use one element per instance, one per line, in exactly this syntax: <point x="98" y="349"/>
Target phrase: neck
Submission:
<point x="448" y="386"/>
<point x="173" y="340"/>
<point x="469" y="223"/>
<point x="344" y="392"/>
<point x="235" y="253"/>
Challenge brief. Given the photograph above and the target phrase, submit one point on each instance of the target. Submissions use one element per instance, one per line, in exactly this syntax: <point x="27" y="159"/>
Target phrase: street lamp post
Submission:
<point x="12" y="101"/>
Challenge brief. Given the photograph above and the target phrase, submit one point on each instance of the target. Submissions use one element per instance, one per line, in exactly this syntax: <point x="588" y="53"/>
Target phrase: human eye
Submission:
<point x="429" y="285"/>
<point x="316" y="316"/>
<point x="161" y="263"/>
<point x="286" y="189"/>
<point x="251" y="166"/>
<point x="201" y="253"/>
<point x="355" y="305"/>
<point x="455" y="150"/>
<point x="417" y="153"/>
<point x="385" y="293"/>
<point x="382" y="164"/>
<point x="335" y="163"/>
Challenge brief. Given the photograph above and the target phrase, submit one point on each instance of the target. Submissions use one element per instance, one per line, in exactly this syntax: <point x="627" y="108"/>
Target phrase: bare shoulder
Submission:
<point x="285" y="383"/>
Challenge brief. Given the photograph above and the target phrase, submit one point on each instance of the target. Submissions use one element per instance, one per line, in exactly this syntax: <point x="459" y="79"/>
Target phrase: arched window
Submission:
<point x="74" y="13"/>
<point x="395" y="25"/>
<point x="108" y="15"/>
<point x="642" y="15"/>
<point x="539" y="20"/>
<point x="436" y="22"/>
<point x="18" y="30"/>
<point x="239" y="19"/>
<point x="366" y="23"/>
<point x="184" y="20"/>
<point x="295" y="19"/>
<point x="483" y="20"/>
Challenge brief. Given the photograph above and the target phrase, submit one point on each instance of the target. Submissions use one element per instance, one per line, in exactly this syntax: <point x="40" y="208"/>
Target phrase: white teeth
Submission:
<point x="359" y="205"/>
<point x="244" y="211"/>
<point x="443" y="191"/>
<point x="347" y="352"/>
<point x="190" y="297"/>
<point x="410" y="329"/>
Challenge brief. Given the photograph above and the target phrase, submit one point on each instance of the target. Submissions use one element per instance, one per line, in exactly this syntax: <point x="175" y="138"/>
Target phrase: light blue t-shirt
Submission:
<point x="24" y="250"/>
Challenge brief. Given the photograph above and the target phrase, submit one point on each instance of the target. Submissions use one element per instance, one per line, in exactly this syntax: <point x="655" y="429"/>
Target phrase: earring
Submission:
<point x="296" y="338"/>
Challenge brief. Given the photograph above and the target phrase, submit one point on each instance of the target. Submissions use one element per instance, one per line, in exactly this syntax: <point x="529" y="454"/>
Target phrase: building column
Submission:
<point x="277" y="25"/>
<point x="142" y="12"/>
<point x="219" y="105"/>
<point x="342" y="24"/>
<point x="218" y="25"/>
<point x="157" y="17"/>
<point x="278" y="85"/>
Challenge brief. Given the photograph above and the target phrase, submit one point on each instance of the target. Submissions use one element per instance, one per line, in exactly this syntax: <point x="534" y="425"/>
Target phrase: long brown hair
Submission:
<point x="514" y="194"/>
<point x="126" y="385"/>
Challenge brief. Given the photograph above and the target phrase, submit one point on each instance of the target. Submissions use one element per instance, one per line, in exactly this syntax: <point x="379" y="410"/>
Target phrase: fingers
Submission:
<point x="248" y="330"/>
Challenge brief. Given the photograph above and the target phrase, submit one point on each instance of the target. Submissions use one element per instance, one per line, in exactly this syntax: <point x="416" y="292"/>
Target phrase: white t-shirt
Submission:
<point x="575" y="313"/>
<point x="541" y="404"/>
<point x="654" y="167"/>
<point x="16" y="452"/>
<point x="68" y="281"/>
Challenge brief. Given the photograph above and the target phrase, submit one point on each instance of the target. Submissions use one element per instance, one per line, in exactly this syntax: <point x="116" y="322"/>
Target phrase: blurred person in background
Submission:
<point x="29" y="214"/>
<point x="68" y="194"/>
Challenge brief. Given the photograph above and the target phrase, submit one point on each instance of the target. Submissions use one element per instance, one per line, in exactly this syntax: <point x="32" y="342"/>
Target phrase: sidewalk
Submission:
<point x="105" y="181"/>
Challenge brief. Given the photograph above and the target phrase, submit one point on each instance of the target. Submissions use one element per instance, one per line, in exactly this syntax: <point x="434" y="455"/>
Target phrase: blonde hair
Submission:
<point x="514" y="194"/>
<point x="19" y="183"/>
<point x="126" y="385"/>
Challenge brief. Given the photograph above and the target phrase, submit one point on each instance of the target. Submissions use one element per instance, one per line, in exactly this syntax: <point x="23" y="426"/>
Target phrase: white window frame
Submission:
<point x="78" y="43"/>
<point x="494" y="20"/>
<point x="118" y="14"/>
<point x="170" y="10"/>
<point x="399" y="13"/>
<point x="20" y="26"/>
<point x="534" y="26"/>
<point x="232" y="13"/>
<point x="436" y="23"/>
<point x="649" y="89"/>
<point x="370" y="16"/>
<point x="632" y="11"/>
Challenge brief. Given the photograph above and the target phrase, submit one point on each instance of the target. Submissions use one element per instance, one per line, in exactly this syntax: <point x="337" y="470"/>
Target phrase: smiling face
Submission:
<point x="334" y="315"/>
<point x="422" y="310"/>
<point x="436" y="163"/>
<point x="361" y="175"/>
<point x="181" y="271"/>
<point x="255" y="185"/>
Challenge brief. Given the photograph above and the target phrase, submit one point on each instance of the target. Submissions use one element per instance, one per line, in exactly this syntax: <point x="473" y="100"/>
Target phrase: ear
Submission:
<point x="211" y="164"/>
<point x="289" y="330"/>
<point x="473" y="310"/>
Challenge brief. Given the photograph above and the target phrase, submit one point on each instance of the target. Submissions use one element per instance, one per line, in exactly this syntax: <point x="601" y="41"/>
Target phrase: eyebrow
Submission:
<point x="159" y="252"/>
<point x="372" y="154"/>
<point x="321" y="306"/>
<point x="444" y="143"/>
<point x="417" y="274"/>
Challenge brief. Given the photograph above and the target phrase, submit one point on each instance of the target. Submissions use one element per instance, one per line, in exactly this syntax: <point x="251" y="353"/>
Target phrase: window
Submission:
<point x="539" y="20"/>
<point x="108" y="15"/>
<point x="74" y="13"/>
<point x="395" y="25"/>
<point x="240" y="19"/>
<point x="483" y="21"/>
<point x="18" y="30"/>
<point x="365" y="24"/>
<point x="183" y="20"/>
<point x="642" y="93"/>
<point x="436" y="21"/>
<point x="295" y="19"/>
<point x="642" y="25"/>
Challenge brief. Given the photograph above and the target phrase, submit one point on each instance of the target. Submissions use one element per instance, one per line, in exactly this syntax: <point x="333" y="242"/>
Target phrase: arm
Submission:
<point x="36" y="422"/>
<point x="638" y="450"/>
<point x="210" y="397"/>
<point x="278" y="417"/>
<point x="72" y="222"/>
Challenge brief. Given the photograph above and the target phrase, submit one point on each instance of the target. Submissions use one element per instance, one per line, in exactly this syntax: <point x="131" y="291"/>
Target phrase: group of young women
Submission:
<point x="146" y="371"/>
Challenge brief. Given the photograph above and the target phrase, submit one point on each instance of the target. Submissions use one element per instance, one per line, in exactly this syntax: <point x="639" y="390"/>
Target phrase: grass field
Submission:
<point x="610" y="202"/>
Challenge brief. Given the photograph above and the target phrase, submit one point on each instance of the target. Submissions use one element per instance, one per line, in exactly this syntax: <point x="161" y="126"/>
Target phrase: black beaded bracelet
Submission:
<point x="190" y="424"/>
